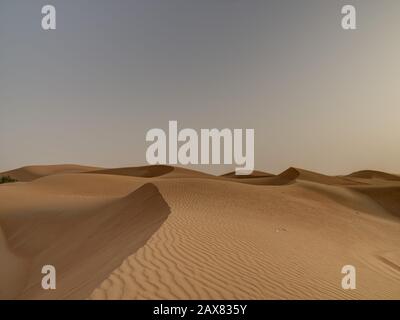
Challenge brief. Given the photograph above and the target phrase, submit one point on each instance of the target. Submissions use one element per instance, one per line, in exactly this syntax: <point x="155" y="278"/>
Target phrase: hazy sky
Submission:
<point x="318" y="97"/>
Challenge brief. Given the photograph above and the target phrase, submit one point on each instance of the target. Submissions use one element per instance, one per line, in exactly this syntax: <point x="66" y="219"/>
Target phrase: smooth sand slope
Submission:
<point x="171" y="233"/>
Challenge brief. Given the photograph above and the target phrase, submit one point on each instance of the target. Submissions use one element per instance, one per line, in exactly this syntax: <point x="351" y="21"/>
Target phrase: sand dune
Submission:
<point x="30" y="173"/>
<point x="160" y="232"/>
<point x="289" y="176"/>
<point x="12" y="271"/>
<point x="83" y="247"/>
<point x="254" y="174"/>
<point x="292" y="174"/>
<point x="144" y="172"/>
<point x="261" y="244"/>
<point x="153" y="171"/>
<point x="371" y="174"/>
<point x="386" y="197"/>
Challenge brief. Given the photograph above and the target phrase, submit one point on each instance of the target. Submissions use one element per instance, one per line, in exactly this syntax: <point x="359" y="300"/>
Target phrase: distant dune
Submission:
<point x="160" y="232"/>
<point x="30" y="173"/>
<point x="152" y="171"/>
<point x="254" y="174"/>
<point x="145" y="172"/>
<point x="371" y="174"/>
<point x="290" y="176"/>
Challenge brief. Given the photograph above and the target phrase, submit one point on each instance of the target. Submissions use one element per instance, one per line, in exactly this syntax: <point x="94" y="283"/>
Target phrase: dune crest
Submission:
<point x="30" y="173"/>
<point x="292" y="174"/>
<point x="371" y="174"/>
<point x="85" y="248"/>
<point x="255" y="174"/>
<point x="144" y="172"/>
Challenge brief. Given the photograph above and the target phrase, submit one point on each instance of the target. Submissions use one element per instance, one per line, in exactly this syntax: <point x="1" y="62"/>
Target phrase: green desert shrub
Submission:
<point x="7" y="179"/>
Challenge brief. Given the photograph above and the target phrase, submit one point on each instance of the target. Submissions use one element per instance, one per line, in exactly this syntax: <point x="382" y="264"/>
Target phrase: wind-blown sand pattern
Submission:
<point x="170" y="233"/>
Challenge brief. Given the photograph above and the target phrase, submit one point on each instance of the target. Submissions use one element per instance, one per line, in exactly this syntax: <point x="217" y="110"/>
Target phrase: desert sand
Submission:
<point x="160" y="232"/>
